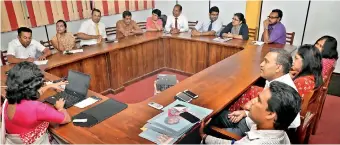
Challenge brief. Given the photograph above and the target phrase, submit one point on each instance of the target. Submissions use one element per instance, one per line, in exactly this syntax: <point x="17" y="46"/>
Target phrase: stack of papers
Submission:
<point x="40" y="62"/>
<point x="159" y="131"/>
<point x="219" y="39"/>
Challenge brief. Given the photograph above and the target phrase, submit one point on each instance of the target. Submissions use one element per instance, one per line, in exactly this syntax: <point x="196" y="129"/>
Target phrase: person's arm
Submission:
<point x="150" y="23"/>
<point x="46" y="52"/>
<point x="55" y="44"/>
<point x="137" y="29"/>
<point x="84" y="36"/>
<point x="265" y="35"/>
<point x="49" y="114"/>
<point x="185" y="25"/>
<point x="12" y="59"/>
<point x="225" y="32"/>
<point x="82" y="33"/>
<point x="120" y="29"/>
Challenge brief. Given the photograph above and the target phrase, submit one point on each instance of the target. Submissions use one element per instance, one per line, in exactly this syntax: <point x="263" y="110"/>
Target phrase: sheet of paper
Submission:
<point x="86" y="102"/>
<point x="80" y="120"/>
<point x="259" y="43"/>
<point x="219" y="39"/>
<point x="42" y="62"/>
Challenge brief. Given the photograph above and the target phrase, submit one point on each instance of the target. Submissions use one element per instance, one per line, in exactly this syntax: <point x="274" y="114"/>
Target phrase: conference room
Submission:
<point x="169" y="72"/>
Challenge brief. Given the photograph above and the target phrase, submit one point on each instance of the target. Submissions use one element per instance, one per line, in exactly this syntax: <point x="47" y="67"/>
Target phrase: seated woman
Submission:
<point x="26" y="118"/>
<point x="237" y="28"/>
<point x="327" y="46"/>
<point x="63" y="40"/>
<point x="306" y="73"/>
<point x="154" y="23"/>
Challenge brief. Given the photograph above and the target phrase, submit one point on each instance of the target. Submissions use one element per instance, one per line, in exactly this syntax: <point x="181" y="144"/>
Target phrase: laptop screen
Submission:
<point x="78" y="82"/>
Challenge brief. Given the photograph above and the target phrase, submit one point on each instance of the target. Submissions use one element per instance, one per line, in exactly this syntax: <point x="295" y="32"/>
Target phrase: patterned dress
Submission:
<point x="66" y="41"/>
<point x="327" y="65"/>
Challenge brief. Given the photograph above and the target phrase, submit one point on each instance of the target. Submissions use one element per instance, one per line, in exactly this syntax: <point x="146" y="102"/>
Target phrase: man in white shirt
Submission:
<point x="276" y="108"/>
<point x="275" y="67"/>
<point x="24" y="48"/>
<point x="92" y="31"/>
<point x="177" y="23"/>
<point x="211" y="27"/>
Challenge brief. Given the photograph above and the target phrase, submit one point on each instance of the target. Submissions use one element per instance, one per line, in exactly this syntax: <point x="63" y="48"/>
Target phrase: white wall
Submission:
<point x="195" y="10"/>
<point x="229" y="8"/>
<point x="294" y="16"/>
<point x="39" y="33"/>
<point x="323" y="19"/>
<point x="165" y="6"/>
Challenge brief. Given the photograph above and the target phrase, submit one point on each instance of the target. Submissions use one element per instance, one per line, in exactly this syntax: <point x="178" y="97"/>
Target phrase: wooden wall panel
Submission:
<point x="97" y="68"/>
<point x="62" y="71"/>
<point x="219" y="52"/>
<point x="202" y="55"/>
<point x="160" y="54"/>
<point x="113" y="60"/>
<point x="187" y="56"/>
<point x="166" y="47"/>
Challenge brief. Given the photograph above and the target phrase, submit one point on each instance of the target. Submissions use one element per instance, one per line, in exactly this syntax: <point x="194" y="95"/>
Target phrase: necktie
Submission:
<point x="97" y="30"/>
<point x="176" y="23"/>
<point x="210" y="26"/>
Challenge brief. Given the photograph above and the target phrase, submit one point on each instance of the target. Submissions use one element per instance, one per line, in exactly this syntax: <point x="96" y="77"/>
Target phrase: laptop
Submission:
<point x="75" y="91"/>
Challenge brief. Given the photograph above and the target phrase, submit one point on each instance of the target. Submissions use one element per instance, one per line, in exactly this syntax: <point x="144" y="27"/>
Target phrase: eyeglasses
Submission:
<point x="272" y="17"/>
<point x="234" y="19"/>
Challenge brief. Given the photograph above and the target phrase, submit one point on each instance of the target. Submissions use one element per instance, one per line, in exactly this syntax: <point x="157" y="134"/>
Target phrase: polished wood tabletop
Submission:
<point x="217" y="82"/>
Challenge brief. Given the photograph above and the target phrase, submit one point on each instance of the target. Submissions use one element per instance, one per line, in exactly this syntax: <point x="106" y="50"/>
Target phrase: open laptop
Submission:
<point x="75" y="91"/>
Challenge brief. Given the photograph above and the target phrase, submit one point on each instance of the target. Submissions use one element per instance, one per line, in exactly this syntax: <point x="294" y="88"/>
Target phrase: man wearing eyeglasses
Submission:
<point x="274" y="30"/>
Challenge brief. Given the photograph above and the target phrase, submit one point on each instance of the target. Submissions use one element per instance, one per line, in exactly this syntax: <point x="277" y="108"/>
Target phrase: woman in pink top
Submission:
<point x="327" y="45"/>
<point x="154" y="23"/>
<point x="26" y="118"/>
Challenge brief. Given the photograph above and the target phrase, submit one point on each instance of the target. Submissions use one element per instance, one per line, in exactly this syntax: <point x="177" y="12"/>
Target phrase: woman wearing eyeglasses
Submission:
<point x="237" y="29"/>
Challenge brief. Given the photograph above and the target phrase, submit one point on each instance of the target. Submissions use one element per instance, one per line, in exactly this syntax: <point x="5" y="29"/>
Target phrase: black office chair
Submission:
<point x="164" y="18"/>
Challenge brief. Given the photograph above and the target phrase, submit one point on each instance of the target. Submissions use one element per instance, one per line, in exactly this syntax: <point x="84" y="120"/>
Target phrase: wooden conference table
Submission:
<point x="220" y="73"/>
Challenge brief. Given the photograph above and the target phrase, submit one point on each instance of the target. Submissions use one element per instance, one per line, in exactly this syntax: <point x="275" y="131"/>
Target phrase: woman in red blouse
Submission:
<point x="327" y="46"/>
<point x="306" y="70"/>
<point x="25" y="118"/>
<point x="306" y="73"/>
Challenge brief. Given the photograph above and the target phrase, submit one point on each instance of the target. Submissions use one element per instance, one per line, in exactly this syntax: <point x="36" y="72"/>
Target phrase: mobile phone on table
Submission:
<point x="155" y="105"/>
<point x="183" y="97"/>
<point x="191" y="94"/>
<point x="188" y="116"/>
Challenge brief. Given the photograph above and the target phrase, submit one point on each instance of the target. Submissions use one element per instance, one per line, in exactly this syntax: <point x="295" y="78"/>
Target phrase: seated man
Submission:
<point x="211" y="27"/>
<point x="177" y="23"/>
<point x="24" y="48"/>
<point x="274" y="30"/>
<point x="92" y="31"/>
<point x="275" y="110"/>
<point x="275" y="67"/>
<point x="127" y="27"/>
